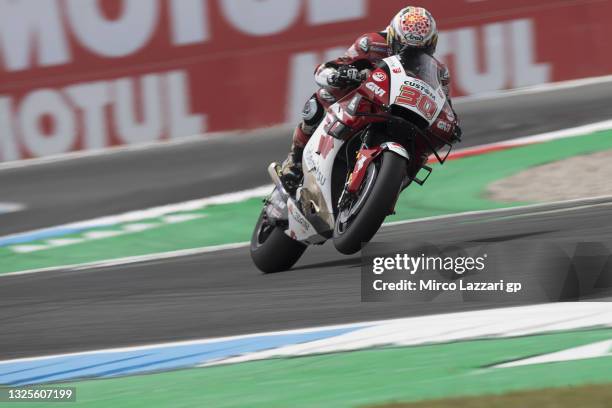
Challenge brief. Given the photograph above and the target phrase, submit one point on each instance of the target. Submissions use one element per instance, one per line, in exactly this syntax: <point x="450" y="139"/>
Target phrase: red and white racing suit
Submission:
<point x="364" y="54"/>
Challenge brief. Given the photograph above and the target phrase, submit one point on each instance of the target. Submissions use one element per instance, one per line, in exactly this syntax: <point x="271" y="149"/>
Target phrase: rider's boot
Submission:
<point x="291" y="169"/>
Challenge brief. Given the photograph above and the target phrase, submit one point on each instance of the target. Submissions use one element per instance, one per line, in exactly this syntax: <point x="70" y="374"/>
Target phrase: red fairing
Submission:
<point x="364" y="158"/>
<point x="444" y="125"/>
<point x="368" y="99"/>
<point x="346" y="115"/>
<point x="376" y="87"/>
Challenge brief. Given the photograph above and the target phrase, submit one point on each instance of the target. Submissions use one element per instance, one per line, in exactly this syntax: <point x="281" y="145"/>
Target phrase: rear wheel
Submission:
<point x="271" y="249"/>
<point x="360" y="218"/>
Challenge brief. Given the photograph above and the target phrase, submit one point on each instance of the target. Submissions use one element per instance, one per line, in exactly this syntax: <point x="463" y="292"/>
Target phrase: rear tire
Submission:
<point x="379" y="202"/>
<point x="271" y="249"/>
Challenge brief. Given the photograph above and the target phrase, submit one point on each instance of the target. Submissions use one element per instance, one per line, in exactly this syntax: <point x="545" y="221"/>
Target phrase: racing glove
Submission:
<point x="345" y="75"/>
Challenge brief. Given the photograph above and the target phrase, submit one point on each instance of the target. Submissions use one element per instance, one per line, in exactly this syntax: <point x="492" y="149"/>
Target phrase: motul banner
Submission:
<point x="88" y="74"/>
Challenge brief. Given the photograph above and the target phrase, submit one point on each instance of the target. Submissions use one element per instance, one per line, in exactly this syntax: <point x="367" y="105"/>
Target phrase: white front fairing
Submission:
<point x="315" y="196"/>
<point x="400" y="78"/>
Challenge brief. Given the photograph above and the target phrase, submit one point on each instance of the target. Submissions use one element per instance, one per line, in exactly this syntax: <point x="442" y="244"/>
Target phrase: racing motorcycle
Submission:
<point x="371" y="145"/>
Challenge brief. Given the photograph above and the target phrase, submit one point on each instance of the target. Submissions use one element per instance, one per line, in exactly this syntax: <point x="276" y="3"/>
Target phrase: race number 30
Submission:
<point x="413" y="97"/>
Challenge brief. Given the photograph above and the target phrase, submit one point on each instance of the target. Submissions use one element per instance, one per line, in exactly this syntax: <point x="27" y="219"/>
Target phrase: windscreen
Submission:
<point x="422" y="66"/>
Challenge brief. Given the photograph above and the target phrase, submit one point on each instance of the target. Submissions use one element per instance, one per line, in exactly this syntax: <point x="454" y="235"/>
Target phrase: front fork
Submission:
<point x="365" y="156"/>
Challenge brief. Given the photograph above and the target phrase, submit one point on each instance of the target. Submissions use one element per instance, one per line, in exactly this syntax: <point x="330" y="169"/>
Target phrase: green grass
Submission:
<point x="359" y="378"/>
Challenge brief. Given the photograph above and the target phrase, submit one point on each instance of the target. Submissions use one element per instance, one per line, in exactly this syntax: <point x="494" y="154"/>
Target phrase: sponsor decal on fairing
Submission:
<point x="379" y="76"/>
<point x="377" y="90"/>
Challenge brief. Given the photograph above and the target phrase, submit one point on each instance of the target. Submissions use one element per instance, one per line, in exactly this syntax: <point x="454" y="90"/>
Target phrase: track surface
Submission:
<point x="221" y="293"/>
<point x="86" y="188"/>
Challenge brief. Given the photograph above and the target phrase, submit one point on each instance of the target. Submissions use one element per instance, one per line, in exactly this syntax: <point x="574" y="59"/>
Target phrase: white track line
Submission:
<point x="139" y="147"/>
<point x="11" y="207"/>
<point x="586" y="203"/>
<point x="155" y="212"/>
<point x="111" y="150"/>
<point x="500" y="322"/>
<point x="447" y="328"/>
<point x="528" y="140"/>
<point x="132" y="259"/>
<point x="217" y="248"/>
<point x="535" y="89"/>
<point x="547" y="137"/>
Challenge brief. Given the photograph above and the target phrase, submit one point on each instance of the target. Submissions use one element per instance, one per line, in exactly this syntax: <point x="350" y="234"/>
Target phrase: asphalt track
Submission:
<point x="221" y="293"/>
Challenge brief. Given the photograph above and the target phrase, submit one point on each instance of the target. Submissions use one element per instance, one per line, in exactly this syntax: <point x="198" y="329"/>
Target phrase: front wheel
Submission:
<point x="271" y="249"/>
<point x="360" y="219"/>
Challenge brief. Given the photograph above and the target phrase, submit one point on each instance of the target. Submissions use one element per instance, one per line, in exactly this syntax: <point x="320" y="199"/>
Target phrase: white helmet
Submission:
<point x="412" y="27"/>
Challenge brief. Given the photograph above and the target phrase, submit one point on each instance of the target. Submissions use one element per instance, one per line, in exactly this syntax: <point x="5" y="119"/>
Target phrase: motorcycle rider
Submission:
<point x="411" y="27"/>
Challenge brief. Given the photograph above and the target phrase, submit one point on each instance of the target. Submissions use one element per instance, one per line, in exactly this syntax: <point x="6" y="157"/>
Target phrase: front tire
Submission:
<point x="377" y="201"/>
<point x="271" y="249"/>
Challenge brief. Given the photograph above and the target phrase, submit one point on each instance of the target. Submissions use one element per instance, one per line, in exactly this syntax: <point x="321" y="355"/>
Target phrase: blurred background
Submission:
<point x="88" y="74"/>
